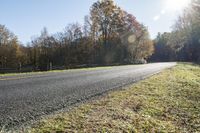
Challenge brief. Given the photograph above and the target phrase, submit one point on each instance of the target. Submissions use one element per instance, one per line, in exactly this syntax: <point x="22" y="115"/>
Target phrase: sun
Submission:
<point x="176" y="5"/>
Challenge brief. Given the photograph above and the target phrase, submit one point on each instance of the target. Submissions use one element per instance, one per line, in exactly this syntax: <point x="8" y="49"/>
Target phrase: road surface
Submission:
<point x="29" y="96"/>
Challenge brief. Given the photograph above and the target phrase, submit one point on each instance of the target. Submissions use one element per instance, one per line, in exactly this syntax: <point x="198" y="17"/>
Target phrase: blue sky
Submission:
<point x="26" y="18"/>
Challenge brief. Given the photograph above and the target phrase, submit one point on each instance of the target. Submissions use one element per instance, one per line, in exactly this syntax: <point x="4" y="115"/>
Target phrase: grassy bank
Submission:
<point x="54" y="71"/>
<point x="167" y="102"/>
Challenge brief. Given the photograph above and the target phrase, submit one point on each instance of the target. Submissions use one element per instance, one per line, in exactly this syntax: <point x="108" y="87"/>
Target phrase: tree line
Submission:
<point x="183" y="43"/>
<point x="108" y="36"/>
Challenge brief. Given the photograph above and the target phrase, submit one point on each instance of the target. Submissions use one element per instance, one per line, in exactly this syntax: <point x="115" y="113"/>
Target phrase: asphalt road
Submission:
<point x="28" y="97"/>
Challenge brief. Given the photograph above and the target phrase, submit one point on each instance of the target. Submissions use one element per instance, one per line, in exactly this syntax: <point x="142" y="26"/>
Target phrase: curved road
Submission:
<point x="26" y="97"/>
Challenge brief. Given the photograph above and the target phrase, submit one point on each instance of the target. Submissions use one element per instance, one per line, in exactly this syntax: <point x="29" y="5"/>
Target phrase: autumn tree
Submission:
<point x="44" y="49"/>
<point x="108" y="36"/>
<point x="10" y="49"/>
<point x="112" y="28"/>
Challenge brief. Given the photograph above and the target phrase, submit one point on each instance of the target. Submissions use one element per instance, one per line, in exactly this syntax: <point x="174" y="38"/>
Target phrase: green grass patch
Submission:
<point x="53" y="71"/>
<point x="167" y="102"/>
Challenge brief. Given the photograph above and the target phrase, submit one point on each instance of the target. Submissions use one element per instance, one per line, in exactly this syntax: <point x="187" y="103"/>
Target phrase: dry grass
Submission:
<point x="54" y="71"/>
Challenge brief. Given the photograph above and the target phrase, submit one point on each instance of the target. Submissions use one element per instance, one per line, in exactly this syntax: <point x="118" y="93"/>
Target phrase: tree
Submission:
<point x="10" y="52"/>
<point x="163" y="51"/>
<point x="183" y="43"/>
<point x="112" y="28"/>
<point x="109" y="35"/>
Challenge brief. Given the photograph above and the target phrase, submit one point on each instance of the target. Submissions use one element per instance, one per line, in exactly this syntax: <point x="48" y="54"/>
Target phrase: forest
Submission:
<point x="109" y="36"/>
<point x="183" y="43"/>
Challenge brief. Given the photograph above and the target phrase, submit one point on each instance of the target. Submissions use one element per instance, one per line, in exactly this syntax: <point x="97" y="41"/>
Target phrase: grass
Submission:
<point x="52" y="71"/>
<point x="167" y="102"/>
<point x="65" y="70"/>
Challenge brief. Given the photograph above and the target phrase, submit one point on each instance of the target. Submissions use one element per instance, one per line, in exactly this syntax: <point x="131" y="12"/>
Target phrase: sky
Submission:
<point x="26" y="18"/>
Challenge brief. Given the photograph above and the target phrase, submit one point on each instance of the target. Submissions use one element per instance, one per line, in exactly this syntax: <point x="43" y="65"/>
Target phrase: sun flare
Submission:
<point x="176" y="5"/>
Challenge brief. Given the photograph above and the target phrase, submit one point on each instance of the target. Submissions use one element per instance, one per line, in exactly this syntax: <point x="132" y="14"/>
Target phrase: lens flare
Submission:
<point x="131" y="39"/>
